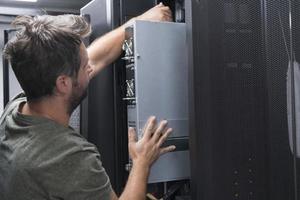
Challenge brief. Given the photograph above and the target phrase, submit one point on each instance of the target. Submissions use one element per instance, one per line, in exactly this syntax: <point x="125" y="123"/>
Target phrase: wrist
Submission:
<point x="141" y="164"/>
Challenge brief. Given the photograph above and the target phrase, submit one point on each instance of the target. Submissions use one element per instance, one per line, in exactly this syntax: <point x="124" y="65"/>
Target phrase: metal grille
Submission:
<point x="281" y="161"/>
<point x="241" y="98"/>
<point x="238" y="98"/>
<point x="296" y="45"/>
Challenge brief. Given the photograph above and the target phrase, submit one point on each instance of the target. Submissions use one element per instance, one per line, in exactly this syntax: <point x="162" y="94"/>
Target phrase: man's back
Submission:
<point x="41" y="159"/>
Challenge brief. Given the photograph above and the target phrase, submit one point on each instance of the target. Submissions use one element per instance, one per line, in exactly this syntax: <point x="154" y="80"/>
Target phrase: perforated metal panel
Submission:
<point x="296" y="45"/>
<point x="241" y="146"/>
<point x="281" y="161"/>
<point x="295" y="11"/>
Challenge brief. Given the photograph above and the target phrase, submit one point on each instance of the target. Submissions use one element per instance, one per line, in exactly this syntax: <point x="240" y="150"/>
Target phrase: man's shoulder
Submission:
<point x="55" y="154"/>
<point x="63" y="140"/>
<point x="74" y="138"/>
<point x="15" y="101"/>
<point x="48" y="144"/>
<point x="12" y="104"/>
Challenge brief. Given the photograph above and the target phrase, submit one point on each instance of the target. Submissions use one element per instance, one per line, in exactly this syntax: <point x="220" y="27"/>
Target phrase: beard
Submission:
<point x="77" y="96"/>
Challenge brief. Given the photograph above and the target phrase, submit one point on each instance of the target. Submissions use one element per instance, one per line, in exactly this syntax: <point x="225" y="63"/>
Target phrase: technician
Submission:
<point x="41" y="157"/>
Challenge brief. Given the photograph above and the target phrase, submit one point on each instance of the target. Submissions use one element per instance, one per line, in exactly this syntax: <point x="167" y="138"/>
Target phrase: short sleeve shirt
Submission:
<point x="41" y="159"/>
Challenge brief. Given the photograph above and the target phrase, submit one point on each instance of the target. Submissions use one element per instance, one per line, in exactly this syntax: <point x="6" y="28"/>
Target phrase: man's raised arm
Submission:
<point x="106" y="49"/>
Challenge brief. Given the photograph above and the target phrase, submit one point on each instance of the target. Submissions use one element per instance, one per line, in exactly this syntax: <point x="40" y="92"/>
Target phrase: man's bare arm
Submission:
<point x="143" y="153"/>
<point x="136" y="184"/>
<point x="106" y="49"/>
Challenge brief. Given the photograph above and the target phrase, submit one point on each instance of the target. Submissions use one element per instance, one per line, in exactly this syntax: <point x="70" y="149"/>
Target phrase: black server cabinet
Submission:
<point x="241" y="144"/>
<point x="105" y="109"/>
<point x="106" y="117"/>
<point x="295" y="34"/>
<point x="243" y="134"/>
<point x="100" y="106"/>
<point x="282" y="170"/>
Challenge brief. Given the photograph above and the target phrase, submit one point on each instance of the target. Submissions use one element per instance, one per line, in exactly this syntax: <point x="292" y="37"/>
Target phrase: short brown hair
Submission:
<point x="44" y="48"/>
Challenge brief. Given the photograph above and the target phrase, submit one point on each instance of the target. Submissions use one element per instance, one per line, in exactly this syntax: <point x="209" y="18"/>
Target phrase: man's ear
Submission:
<point x="63" y="84"/>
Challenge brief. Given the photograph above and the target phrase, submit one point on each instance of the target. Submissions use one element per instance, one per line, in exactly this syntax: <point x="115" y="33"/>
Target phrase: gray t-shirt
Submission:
<point x="41" y="159"/>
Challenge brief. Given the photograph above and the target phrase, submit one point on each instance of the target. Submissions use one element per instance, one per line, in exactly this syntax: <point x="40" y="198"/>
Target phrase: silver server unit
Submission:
<point x="157" y="84"/>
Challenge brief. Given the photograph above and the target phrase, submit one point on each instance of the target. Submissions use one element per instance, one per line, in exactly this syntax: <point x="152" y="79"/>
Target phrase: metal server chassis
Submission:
<point x="156" y="82"/>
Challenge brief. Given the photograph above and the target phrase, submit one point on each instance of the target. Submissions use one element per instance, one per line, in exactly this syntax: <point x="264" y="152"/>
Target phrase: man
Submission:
<point x="41" y="157"/>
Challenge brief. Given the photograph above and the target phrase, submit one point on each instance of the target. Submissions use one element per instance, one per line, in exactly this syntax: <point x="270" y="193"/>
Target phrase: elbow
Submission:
<point x="96" y="68"/>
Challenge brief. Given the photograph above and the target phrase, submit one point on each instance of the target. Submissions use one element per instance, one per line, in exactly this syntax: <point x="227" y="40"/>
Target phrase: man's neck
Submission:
<point x="48" y="109"/>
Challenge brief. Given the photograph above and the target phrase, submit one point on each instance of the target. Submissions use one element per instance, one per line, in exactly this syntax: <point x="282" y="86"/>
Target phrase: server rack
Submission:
<point x="243" y="145"/>
<point x="239" y="99"/>
<point x="107" y="111"/>
<point x="104" y="108"/>
<point x="295" y="8"/>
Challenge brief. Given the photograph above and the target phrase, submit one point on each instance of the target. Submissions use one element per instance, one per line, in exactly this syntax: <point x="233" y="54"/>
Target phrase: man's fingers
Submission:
<point x="166" y="8"/>
<point x="168" y="19"/>
<point x="167" y="149"/>
<point x="131" y="135"/>
<point x="160" y="130"/>
<point x="146" y="125"/>
<point x="163" y="138"/>
<point x="150" y="128"/>
<point x="167" y="15"/>
<point x="160" y="4"/>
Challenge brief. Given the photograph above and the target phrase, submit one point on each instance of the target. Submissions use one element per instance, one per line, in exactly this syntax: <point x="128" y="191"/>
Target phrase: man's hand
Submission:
<point x="105" y="50"/>
<point x="148" y="148"/>
<point x="157" y="13"/>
